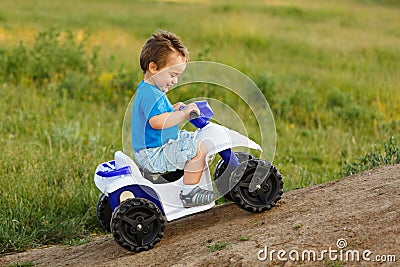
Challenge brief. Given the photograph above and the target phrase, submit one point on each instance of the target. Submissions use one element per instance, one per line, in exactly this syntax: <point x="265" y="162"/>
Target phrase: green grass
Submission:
<point x="388" y="155"/>
<point x="244" y="238"/>
<point x="297" y="226"/>
<point x="22" y="264"/>
<point x="329" y="70"/>
<point x="332" y="264"/>
<point x="217" y="246"/>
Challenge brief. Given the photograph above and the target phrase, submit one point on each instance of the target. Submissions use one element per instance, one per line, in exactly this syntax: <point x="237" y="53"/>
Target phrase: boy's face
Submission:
<point x="167" y="76"/>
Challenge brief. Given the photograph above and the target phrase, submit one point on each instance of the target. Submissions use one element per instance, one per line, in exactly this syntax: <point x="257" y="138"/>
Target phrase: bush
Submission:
<point x="53" y="55"/>
<point x="388" y="155"/>
<point x="60" y="62"/>
<point x="13" y="66"/>
<point x="337" y="99"/>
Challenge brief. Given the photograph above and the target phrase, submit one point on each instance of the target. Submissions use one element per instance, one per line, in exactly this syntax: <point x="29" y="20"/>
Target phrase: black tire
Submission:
<point x="137" y="224"/>
<point x="222" y="180"/>
<point x="263" y="198"/>
<point x="103" y="212"/>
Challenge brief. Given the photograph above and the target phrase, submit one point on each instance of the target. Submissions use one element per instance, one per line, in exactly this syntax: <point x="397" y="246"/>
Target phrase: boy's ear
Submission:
<point x="152" y="67"/>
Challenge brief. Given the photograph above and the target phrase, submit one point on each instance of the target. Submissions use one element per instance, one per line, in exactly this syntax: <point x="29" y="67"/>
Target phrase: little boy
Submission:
<point x="158" y="144"/>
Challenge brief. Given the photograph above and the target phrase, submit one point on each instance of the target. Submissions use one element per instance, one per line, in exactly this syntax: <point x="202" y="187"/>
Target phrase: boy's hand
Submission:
<point x="189" y="108"/>
<point x="178" y="105"/>
<point x="169" y="119"/>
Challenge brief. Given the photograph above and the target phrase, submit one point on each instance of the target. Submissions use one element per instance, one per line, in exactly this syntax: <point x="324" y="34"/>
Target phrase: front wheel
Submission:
<point x="137" y="224"/>
<point x="221" y="176"/>
<point x="266" y="195"/>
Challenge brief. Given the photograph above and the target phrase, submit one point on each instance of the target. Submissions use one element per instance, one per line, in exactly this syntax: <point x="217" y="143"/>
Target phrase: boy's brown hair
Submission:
<point x="158" y="48"/>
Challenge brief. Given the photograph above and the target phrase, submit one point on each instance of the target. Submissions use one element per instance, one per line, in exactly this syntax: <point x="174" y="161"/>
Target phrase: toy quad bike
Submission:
<point x="134" y="205"/>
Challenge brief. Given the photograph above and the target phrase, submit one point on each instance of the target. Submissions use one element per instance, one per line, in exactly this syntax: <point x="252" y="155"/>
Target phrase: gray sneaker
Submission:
<point x="198" y="197"/>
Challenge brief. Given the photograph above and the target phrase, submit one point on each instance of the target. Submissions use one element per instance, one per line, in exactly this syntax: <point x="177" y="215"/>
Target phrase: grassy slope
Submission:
<point x="328" y="68"/>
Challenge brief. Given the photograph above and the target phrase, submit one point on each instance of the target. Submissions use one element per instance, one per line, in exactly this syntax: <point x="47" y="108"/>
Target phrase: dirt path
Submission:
<point x="362" y="209"/>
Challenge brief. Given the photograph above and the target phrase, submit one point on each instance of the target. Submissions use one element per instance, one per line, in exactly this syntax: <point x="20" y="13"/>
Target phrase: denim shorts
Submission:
<point x="171" y="156"/>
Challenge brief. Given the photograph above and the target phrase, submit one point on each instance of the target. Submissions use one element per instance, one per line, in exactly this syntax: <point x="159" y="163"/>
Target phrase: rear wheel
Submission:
<point x="137" y="224"/>
<point x="222" y="179"/>
<point x="267" y="193"/>
<point x="103" y="212"/>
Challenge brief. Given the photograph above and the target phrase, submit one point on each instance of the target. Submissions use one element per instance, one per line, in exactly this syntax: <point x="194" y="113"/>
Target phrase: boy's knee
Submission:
<point x="201" y="150"/>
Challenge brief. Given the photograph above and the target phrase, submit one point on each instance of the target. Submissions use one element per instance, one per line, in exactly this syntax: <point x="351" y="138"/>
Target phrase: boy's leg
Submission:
<point x="192" y="195"/>
<point x="194" y="167"/>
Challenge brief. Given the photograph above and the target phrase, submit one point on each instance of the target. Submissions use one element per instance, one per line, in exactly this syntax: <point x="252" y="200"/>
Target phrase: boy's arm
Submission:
<point x="169" y="119"/>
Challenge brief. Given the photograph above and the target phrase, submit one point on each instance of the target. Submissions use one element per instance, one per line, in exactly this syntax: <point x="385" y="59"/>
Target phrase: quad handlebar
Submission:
<point x="201" y="120"/>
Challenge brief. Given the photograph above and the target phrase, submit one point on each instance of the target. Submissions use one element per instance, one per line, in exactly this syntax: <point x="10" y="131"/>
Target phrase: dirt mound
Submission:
<point x="355" y="217"/>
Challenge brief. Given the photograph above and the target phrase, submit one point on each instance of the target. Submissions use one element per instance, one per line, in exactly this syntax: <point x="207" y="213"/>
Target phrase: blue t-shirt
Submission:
<point x="150" y="101"/>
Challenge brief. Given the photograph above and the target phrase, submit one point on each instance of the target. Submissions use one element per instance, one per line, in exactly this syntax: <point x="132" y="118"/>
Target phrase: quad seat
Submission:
<point x="162" y="178"/>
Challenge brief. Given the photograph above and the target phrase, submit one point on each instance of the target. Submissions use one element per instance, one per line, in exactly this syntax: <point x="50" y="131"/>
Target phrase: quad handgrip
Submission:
<point x="202" y="119"/>
<point x="193" y="115"/>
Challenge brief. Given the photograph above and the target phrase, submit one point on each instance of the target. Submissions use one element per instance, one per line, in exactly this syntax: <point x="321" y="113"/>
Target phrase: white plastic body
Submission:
<point x="216" y="137"/>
